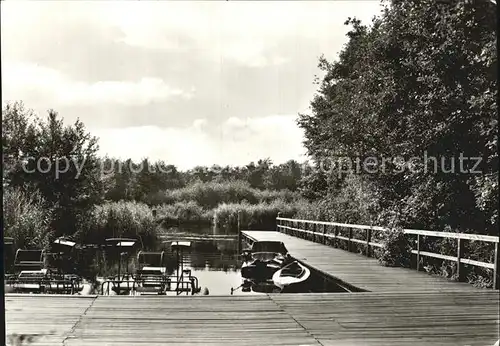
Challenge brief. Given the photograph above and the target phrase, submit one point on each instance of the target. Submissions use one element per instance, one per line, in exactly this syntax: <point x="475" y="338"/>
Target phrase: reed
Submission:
<point x="260" y="216"/>
<point x="182" y="213"/>
<point x="26" y="219"/>
<point x="119" y="219"/>
<point x="210" y="195"/>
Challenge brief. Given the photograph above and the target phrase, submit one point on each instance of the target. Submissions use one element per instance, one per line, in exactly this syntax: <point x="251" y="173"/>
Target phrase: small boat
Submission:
<point x="263" y="260"/>
<point x="291" y="277"/>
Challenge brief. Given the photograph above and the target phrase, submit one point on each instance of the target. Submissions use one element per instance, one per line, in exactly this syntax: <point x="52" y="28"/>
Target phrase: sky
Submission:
<point x="190" y="83"/>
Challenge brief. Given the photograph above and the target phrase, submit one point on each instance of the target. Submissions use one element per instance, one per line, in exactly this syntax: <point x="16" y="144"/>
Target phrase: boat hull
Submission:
<point x="290" y="282"/>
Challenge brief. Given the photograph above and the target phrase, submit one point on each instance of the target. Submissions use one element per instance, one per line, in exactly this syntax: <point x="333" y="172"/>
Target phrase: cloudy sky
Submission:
<point x="191" y="83"/>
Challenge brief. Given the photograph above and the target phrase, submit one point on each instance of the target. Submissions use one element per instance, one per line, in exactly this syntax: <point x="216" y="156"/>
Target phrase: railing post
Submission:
<point x="314" y="232"/>
<point x="324" y="234"/>
<point x="459" y="256"/>
<point x="418" y="252"/>
<point x="278" y="223"/>
<point x="349" y="241"/>
<point x="239" y="231"/>
<point x="335" y="234"/>
<point x="368" y="237"/>
<point x="495" y="269"/>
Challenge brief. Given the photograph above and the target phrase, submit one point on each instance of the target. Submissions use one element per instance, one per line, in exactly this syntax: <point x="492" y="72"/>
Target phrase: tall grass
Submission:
<point x="26" y="219"/>
<point x="119" y="219"/>
<point x="209" y="195"/>
<point x="260" y="216"/>
<point x="183" y="213"/>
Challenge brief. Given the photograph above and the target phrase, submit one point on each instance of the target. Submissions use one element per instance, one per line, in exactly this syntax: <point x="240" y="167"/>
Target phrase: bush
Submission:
<point x="268" y="196"/>
<point x="397" y="250"/>
<point x="26" y="219"/>
<point x="183" y="213"/>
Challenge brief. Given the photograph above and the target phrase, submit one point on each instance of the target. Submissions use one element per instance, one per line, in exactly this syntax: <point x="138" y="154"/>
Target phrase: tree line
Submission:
<point x="70" y="188"/>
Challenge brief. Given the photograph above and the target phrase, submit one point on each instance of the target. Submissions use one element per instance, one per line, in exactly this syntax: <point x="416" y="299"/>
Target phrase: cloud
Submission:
<point x="62" y="90"/>
<point x="232" y="142"/>
<point x="189" y="82"/>
<point x="244" y="33"/>
<point x="199" y="124"/>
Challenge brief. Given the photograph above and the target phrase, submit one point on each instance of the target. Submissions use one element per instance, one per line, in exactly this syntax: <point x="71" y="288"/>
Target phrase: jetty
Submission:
<point x="387" y="306"/>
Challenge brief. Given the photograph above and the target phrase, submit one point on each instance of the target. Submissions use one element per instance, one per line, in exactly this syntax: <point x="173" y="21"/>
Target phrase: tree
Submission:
<point x="284" y="176"/>
<point x="58" y="161"/>
<point x="421" y="81"/>
<point x="256" y="173"/>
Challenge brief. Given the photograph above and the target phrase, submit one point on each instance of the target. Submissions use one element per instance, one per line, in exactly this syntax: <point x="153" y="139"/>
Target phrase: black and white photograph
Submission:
<point x="250" y="173"/>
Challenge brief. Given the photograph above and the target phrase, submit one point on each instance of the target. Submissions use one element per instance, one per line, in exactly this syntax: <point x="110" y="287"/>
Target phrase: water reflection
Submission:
<point x="217" y="265"/>
<point x="213" y="258"/>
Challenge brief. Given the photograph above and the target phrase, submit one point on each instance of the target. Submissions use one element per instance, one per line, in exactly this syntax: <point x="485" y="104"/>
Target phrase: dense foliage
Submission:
<point x="26" y="219"/>
<point x="57" y="161"/>
<point x="420" y="82"/>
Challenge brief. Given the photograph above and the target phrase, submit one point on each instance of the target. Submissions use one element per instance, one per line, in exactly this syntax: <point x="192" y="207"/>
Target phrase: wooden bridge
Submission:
<point x="398" y="306"/>
<point x="306" y="240"/>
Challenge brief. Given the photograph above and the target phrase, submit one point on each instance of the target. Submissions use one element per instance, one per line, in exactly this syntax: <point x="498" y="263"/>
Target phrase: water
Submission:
<point x="217" y="265"/>
<point x="213" y="260"/>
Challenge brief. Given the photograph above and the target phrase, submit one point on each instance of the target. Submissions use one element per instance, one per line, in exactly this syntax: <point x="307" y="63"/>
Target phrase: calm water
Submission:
<point x="217" y="265"/>
<point x="213" y="260"/>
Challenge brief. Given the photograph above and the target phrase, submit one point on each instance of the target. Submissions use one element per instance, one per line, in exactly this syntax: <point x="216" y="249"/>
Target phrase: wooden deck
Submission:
<point x="400" y="307"/>
<point x="360" y="271"/>
<point x="340" y="319"/>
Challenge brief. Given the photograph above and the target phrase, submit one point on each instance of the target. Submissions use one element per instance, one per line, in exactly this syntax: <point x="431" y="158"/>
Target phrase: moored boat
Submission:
<point x="263" y="260"/>
<point x="291" y="277"/>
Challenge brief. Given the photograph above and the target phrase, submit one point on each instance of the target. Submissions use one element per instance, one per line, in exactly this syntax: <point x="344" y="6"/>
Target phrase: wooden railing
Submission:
<point x="324" y="232"/>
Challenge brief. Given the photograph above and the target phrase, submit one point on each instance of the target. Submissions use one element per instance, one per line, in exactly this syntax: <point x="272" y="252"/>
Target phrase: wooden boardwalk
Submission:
<point x="399" y="307"/>
<point x="340" y="319"/>
<point x="357" y="270"/>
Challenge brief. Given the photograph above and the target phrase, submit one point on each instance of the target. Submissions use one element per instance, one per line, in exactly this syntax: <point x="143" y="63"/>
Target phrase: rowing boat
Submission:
<point x="291" y="276"/>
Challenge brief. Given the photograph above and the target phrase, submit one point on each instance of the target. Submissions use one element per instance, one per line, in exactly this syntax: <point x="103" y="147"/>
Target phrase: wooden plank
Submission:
<point x="238" y="320"/>
<point x="452" y="258"/>
<point x="397" y="318"/>
<point x="478" y="237"/>
<point x="434" y="255"/>
<point x="477" y="263"/>
<point x="357" y="270"/>
<point x="370" y="318"/>
<point x="43" y="319"/>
